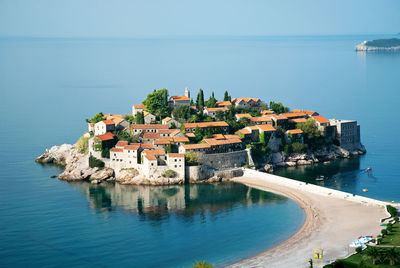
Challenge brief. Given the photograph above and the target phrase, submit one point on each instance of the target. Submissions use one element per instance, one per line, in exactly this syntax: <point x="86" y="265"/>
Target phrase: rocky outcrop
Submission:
<point x="61" y="155"/>
<point x="364" y="47"/>
<point x="325" y="155"/>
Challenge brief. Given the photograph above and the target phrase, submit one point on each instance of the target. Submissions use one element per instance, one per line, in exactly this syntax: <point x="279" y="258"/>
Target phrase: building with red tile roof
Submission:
<point x="191" y="127"/>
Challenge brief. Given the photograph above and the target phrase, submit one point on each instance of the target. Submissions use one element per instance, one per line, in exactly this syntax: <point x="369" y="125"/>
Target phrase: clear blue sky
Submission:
<point x="130" y="18"/>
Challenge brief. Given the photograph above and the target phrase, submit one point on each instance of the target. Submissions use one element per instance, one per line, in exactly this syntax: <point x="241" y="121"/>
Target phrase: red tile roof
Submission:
<point x="190" y="135"/>
<point x="178" y="98"/>
<point x="240" y="116"/>
<point x="150" y="157"/>
<point x="237" y="100"/>
<point x="224" y="103"/>
<point x="214" y="142"/>
<point x="266" y="128"/>
<point x="119" y="150"/>
<point x="206" y="124"/>
<point x="150" y="135"/>
<point x="106" y="137"/>
<point x="260" y="119"/>
<point x="175" y="155"/>
<point x="213" y="110"/>
<point x="132" y="147"/>
<point x="279" y="117"/>
<point x="298" y="120"/>
<point x="295" y="131"/>
<point x="139" y="106"/>
<point x="245" y="131"/>
<point x="196" y="146"/>
<point x="121" y="144"/>
<point x="108" y="122"/>
<point x="147" y="126"/>
<point x="303" y="111"/>
<point x="320" y="119"/>
<point x="294" y="114"/>
<point x="267" y="112"/>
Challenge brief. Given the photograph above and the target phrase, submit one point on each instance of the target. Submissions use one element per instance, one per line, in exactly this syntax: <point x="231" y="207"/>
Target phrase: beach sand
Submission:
<point x="332" y="222"/>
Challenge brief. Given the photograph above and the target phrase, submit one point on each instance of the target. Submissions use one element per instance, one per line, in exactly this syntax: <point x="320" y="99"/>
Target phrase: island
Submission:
<point x="392" y="44"/>
<point x="178" y="139"/>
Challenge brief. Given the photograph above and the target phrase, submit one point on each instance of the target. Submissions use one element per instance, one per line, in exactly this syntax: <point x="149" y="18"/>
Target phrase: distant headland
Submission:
<point x="379" y="45"/>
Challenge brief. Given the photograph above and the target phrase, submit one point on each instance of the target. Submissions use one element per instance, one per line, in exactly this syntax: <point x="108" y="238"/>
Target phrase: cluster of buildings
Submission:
<point x="162" y="147"/>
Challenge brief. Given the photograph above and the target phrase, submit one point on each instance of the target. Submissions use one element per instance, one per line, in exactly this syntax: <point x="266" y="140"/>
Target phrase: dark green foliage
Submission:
<point x="358" y="249"/>
<point x="105" y="153"/>
<point x="299" y="148"/>
<point x="384" y="232"/>
<point x="169" y="174"/>
<point x="212" y="101"/>
<point x="200" y="100"/>
<point x="201" y="264"/>
<point x="393" y="42"/>
<point x="278" y="107"/>
<point x="129" y="118"/>
<point x="392" y="210"/>
<point x="139" y="118"/>
<point x="124" y="136"/>
<point x="182" y="113"/>
<point x="95" y="119"/>
<point x="157" y="103"/>
<point x="226" y="96"/>
<point x="173" y="126"/>
<point x="312" y="136"/>
<point x="219" y="116"/>
<point x="341" y="264"/>
<point x="94" y="162"/>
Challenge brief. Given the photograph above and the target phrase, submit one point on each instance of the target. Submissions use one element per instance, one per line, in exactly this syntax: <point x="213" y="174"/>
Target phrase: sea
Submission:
<point x="48" y="86"/>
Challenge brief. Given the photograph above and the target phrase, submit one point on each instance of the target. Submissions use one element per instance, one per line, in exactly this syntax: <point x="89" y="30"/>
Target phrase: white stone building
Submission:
<point x="103" y="127"/>
<point x="138" y="108"/>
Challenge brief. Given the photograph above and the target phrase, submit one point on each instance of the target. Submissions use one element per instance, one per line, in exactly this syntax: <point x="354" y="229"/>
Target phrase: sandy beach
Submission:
<point x="333" y="220"/>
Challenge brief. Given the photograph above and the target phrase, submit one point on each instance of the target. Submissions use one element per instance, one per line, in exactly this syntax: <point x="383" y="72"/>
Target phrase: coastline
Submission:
<point x="351" y="216"/>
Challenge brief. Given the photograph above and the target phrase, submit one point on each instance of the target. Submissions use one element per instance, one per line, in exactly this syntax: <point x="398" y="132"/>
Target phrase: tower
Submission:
<point x="187" y="93"/>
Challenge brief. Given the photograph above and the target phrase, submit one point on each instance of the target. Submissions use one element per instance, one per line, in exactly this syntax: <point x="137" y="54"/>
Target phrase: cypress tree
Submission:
<point x="226" y="96"/>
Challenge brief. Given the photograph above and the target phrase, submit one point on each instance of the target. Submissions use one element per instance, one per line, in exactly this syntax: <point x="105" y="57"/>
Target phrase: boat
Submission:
<point x="365" y="190"/>
<point x="320" y="178"/>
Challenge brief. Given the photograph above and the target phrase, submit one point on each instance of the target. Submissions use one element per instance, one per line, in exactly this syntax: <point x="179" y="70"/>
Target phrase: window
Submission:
<point x="175" y="166"/>
<point x="176" y="160"/>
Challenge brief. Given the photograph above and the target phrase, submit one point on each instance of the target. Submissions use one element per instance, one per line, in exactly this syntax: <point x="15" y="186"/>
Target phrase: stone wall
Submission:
<point x="198" y="173"/>
<point x="225" y="160"/>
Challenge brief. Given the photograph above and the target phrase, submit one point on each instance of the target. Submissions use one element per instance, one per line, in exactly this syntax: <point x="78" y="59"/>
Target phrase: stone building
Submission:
<point x="347" y="133"/>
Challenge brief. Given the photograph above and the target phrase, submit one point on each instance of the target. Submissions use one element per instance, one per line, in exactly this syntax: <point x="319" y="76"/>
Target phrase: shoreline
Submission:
<point x="324" y="208"/>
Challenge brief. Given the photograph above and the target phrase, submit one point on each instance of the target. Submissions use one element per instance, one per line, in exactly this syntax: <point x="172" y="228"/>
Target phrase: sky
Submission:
<point x="131" y="18"/>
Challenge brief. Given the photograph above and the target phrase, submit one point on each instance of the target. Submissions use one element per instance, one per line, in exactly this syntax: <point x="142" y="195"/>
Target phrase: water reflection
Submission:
<point x="342" y="174"/>
<point x="156" y="203"/>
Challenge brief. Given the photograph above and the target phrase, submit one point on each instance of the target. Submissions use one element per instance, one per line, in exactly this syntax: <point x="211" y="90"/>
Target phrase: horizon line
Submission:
<point x="182" y="36"/>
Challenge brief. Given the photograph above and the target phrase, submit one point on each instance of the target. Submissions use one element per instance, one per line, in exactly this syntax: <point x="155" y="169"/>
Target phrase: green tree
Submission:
<point x="298" y="147"/>
<point x="220" y="116"/>
<point x="310" y="131"/>
<point x="384" y="232"/>
<point x="212" y="101"/>
<point x="94" y="162"/>
<point x="129" y="118"/>
<point x="157" y="103"/>
<point x="202" y="264"/>
<point x="192" y="158"/>
<point x="182" y="112"/>
<point x="200" y="100"/>
<point x="278" y="107"/>
<point x="139" y="118"/>
<point x="96" y="118"/>
<point x="372" y="252"/>
<point x="393" y="255"/>
<point x="226" y="96"/>
<point x="311" y="263"/>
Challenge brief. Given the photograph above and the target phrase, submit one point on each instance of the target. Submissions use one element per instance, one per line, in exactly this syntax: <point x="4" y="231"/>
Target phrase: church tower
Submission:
<point x="187" y="93"/>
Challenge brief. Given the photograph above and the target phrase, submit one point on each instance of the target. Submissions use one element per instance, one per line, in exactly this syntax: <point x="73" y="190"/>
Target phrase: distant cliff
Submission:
<point x="379" y="44"/>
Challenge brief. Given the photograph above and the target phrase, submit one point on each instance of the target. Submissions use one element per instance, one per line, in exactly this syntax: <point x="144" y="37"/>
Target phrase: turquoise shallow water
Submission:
<point x="47" y="86"/>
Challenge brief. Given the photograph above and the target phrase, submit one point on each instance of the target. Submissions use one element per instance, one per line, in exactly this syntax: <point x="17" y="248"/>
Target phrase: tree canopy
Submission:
<point x="139" y="118"/>
<point x="212" y="101"/>
<point x="96" y="118"/>
<point x="200" y="100"/>
<point x="278" y="107"/>
<point x="182" y="113"/>
<point x="157" y="103"/>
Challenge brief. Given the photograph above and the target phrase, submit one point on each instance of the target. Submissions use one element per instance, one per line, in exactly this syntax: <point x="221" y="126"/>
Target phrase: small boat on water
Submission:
<point x="365" y="190"/>
<point x="320" y="178"/>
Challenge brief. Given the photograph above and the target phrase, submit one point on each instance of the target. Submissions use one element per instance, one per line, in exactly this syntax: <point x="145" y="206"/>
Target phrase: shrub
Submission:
<point x="392" y="210"/>
<point x="202" y="264"/>
<point x="298" y="147"/>
<point x="358" y="249"/>
<point x="82" y="145"/>
<point x="169" y="174"/>
<point x="192" y="158"/>
<point x="94" y="162"/>
<point x="384" y="232"/>
<point x="396" y="219"/>
<point x="105" y="153"/>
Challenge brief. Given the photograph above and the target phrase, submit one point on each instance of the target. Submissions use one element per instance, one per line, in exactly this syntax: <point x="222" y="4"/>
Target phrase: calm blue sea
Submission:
<point x="48" y="86"/>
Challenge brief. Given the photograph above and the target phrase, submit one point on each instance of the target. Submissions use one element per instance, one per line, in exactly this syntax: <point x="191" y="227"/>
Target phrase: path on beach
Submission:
<point x="333" y="220"/>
